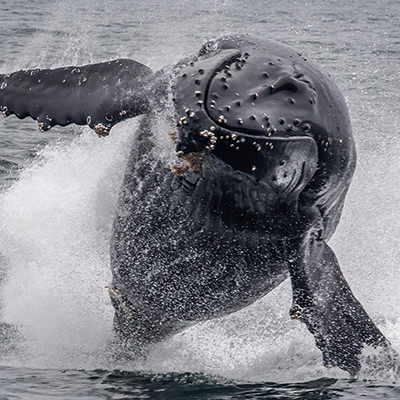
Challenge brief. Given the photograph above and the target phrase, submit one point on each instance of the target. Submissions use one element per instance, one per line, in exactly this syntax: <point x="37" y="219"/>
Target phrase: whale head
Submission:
<point x="270" y="115"/>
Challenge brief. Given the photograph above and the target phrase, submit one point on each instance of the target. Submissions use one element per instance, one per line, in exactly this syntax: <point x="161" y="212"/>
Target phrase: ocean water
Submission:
<point x="58" y="195"/>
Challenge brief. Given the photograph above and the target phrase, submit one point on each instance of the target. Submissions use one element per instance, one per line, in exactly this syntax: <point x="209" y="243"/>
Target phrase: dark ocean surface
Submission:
<point x="58" y="194"/>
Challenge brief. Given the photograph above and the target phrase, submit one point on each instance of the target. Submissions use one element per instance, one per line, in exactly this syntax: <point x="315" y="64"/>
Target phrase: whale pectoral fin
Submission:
<point x="323" y="300"/>
<point x="98" y="95"/>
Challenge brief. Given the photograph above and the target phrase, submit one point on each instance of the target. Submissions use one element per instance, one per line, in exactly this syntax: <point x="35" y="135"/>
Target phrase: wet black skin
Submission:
<point x="267" y="157"/>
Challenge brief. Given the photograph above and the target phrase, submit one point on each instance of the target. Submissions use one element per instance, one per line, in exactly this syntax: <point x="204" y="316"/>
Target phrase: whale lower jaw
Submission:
<point x="230" y="203"/>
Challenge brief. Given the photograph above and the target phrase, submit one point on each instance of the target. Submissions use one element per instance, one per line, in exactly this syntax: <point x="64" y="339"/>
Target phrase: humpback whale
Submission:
<point x="264" y="158"/>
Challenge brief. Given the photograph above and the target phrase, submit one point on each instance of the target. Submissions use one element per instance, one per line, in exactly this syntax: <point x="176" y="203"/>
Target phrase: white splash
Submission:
<point x="55" y="234"/>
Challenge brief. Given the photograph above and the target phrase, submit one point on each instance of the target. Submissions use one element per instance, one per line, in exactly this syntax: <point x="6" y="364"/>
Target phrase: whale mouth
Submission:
<point x="285" y="164"/>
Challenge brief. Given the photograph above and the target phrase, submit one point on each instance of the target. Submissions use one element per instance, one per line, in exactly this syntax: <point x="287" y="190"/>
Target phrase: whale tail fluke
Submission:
<point x="99" y="95"/>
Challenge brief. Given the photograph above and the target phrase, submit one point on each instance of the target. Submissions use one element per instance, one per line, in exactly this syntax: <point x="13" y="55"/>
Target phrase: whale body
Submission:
<point x="264" y="158"/>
